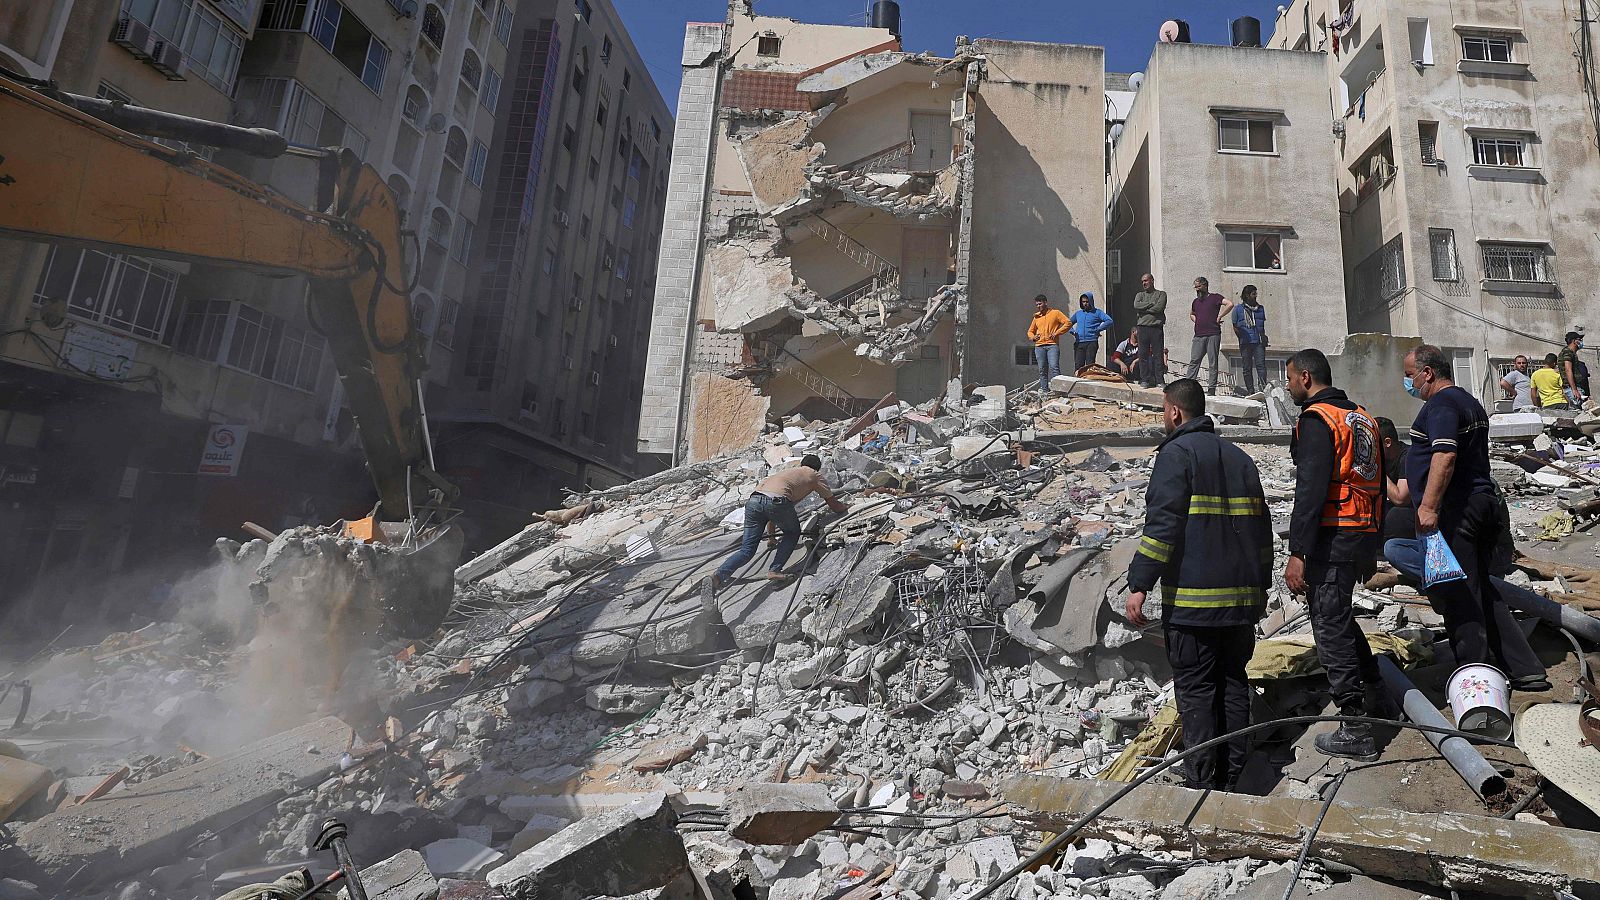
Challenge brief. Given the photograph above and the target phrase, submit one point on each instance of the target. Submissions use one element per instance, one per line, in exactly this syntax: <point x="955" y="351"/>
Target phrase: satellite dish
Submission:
<point x="1174" y="31"/>
<point x="1116" y="132"/>
<point x="408" y="9"/>
<point x="1135" y="81"/>
<point x="53" y="313"/>
<point x="437" y="122"/>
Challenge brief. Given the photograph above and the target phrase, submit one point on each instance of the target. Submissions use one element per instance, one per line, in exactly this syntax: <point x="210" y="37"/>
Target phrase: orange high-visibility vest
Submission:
<point x="1355" y="499"/>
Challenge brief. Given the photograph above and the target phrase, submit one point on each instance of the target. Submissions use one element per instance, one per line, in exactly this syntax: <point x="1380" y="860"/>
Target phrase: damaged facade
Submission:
<point x="825" y="252"/>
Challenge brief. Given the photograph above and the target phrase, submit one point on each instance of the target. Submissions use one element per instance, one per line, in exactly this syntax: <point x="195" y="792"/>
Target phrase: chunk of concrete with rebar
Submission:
<point x="624" y="851"/>
<point x="780" y="813"/>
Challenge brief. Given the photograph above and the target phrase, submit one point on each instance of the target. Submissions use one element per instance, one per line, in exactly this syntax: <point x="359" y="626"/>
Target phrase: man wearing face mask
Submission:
<point x="1208" y="541"/>
<point x="1447" y="470"/>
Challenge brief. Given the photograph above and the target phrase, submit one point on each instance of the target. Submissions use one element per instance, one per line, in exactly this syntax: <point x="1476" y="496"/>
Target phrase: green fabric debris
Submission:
<point x="1555" y="526"/>
<point x="1295" y="656"/>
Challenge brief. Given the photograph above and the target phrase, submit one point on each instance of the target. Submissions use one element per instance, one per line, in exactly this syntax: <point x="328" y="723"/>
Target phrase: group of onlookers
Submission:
<point x="1141" y="358"/>
<point x="1561" y="383"/>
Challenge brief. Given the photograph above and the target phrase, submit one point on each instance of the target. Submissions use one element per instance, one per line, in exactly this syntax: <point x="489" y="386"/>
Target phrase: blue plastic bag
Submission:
<point x="1439" y="564"/>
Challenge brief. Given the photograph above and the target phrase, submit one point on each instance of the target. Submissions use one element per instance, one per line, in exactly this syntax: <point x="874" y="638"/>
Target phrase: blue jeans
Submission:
<point x="758" y="511"/>
<point x="1254" y="359"/>
<point x="1048" y="356"/>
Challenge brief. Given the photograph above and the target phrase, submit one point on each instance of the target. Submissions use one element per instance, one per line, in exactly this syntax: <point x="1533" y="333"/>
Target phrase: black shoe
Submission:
<point x="1350" y="741"/>
<point x="1531" y="684"/>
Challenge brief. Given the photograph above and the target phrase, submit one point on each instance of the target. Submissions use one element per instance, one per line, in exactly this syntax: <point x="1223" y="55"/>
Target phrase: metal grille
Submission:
<point x="1516" y="262"/>
<point x="1382" y="275"/>
<point x="1442" y="248"/>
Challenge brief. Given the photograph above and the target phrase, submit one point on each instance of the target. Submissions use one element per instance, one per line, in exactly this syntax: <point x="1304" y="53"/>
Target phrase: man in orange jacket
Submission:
<point x="1045" y="330"/>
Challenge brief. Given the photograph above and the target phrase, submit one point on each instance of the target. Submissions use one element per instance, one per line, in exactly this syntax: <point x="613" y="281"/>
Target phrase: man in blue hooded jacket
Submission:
<point x="1088" y="323"/>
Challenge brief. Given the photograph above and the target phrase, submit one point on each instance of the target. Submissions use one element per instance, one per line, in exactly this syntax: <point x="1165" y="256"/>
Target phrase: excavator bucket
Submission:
<point x="414" y="587"/>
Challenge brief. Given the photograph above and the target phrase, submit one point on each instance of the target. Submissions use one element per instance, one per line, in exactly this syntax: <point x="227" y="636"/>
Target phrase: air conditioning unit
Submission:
<point x="562" y="219"/>
<point x="530" y="411"/>
<point x="611" y="341"/>
<point x="594" y="378"/>
<point x="628" y="293"/>
<point x="566" y="363"/>
<point x="166" y="58"/>
<point x="576" y="303"/>
<point x="606" y="262"/>
<point x="132" y="34"/>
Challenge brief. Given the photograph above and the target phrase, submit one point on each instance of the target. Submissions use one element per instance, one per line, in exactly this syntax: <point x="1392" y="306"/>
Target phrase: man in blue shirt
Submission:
<point x="1447" y="471"/>
<point x="1250" y="324"/>
<point x="1088" y="323"/>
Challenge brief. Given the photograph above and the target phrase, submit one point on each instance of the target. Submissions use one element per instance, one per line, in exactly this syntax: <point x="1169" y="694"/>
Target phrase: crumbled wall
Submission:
<point x="776" y="158"/>
<point x="724" y="415"/>
<point x="751" y="285"/>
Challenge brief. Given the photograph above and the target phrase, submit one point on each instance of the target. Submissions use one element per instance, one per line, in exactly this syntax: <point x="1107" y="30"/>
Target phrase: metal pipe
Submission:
<point x="1462" y="756"/>
<point x="262" y="142"/>
<point x="1558" y="614"/>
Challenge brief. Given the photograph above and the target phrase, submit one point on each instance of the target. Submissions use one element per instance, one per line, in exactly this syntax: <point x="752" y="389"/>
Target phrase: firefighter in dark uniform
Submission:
<point x="1208" y="541"/>
<point x="1334" y="538"/>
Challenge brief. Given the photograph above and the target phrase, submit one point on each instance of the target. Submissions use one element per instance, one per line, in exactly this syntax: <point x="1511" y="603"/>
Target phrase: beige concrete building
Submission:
<point x="1467" y="170"/>
<point x="104" y="415"/>
<point x="1224" y="169"/>
<point x="846" y="220"/>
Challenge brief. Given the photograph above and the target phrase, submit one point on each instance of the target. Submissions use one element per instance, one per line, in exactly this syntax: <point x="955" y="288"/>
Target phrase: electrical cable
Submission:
<point x="1526" y="801"/>
<point x="1050" y="847"/>
<point x="1305" y="848"/>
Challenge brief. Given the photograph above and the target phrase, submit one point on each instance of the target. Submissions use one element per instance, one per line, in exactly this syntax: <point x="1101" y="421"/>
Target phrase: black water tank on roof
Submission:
<point x="886" y="14"/>
<point x="1246" y="31"/>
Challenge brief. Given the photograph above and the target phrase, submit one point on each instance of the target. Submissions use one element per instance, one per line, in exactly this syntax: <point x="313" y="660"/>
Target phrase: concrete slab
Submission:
<point x="404" y="876"/>
<point x="1514" y="426"/>
<point x="144" y="825"/>
<point x="787" y="814"/>
<point x="625" y="851"/>
<point x="1466" y="852"/>
<point x="1151" y="398"/>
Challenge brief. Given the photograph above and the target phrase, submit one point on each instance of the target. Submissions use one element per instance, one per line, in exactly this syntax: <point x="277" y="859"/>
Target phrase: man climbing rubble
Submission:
<point x="774" y="501"/>
<point x="1333" y="535"/>
<point x="1208" y="540"/>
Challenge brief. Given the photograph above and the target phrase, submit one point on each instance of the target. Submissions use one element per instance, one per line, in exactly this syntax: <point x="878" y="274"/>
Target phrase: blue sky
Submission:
<point x="1126" y="28"/>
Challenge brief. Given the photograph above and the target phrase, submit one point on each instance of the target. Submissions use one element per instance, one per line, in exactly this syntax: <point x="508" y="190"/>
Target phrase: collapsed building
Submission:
<point x="821" y="250"/>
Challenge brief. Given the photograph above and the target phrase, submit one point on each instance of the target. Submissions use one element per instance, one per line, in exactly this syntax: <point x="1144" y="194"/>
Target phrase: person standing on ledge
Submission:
<point x="1088" y="323"/>
<point x="1150" y="321"/>
<point x="1207" y="312"/>
<point x="1045" y="331"/>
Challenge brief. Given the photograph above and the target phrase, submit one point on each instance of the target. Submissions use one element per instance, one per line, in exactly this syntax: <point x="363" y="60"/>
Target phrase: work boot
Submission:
<point x="1532" y="684"/>
<point x="1350" y="741"/>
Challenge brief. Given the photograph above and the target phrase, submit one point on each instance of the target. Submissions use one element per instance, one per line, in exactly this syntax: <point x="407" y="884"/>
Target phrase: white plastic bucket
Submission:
<point x="1480" y="700"/>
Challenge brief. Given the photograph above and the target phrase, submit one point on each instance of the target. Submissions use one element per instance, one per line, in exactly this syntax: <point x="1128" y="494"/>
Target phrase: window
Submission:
<point x="1022" y="355"/>
<point x="622" y="141"/>
<point x="1442" y="249"/>
<point x="125" y="293"/>
<point x="444" y="334"/>
<point x="1252" y="250"/>
<point x="490" y="98"/>
<point x="634" y="163"/>
<point x="579" y="76"/>
<point x="605" y="49"/>
<point x="1498" y="151"/>
<point x="616" y="198"/>
<point x="1485" y="48"/>
<point x="1382" y="275"/>
<point x="627" y="79"/>
<point x="541" y="323"/>
<point x="655" y="128"/>
<point x="624" y="265"/>
<point x="209" y="43"/>
<point x="569" y="137"/>
<point x="558" y="198"/>
<point x="600" y="112"/>
<point x="205" y="322"/>
<point x="584" y="9"/>
<point x="1421" y="42"/>
<point x="768" y="45"/>
<point x="1517" y="262"/>
<point x="629" y="208"/>
<point x="439" y="228"/>
<point x="1428" y="138"/>
<point x="422" y="316"/>
<point x="530" y="398"/>
<point x="502" y="22"/>
<point x="477" y="161"/>
<point x="269" y="347"/>
<point x="1113" y="266"/>
<point x="548" y="267"/>
<point x="455" y="147"/>
<point x="1245" y="136"/>
<point x="351" y="42"/>
<point x="594" y="169"/>
<point x="463" y="243"/>
<point x="433" y="26"/>
<point x="471" y="70"/>
<point x="585" y="225"/>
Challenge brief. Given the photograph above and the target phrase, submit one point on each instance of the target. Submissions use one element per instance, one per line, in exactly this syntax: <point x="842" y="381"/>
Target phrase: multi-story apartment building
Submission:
<point x="105" y="414"/>
<point x="1467" y="172"/>
<point x="1255" y="202"/>
<point x="549" y="349"/>
<point x="846" y="220"/>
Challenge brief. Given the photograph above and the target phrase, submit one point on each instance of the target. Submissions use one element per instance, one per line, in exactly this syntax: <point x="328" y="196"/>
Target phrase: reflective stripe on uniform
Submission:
<point x="1160" y="551"/>
<point x="1213" y="505"/>
<point x="1204" y="598"/>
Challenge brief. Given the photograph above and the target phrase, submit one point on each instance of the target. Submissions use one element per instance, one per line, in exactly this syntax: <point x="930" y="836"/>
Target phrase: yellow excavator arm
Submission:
<point x="67" y="175"/>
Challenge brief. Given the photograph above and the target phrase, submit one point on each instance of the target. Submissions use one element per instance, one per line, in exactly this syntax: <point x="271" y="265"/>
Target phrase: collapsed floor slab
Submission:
<point x="139" y="828"/>
<point x="1465" y="852"/>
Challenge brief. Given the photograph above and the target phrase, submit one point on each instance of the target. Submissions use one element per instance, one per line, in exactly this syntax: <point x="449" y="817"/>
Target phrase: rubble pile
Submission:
<point x="592" y="720"/>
